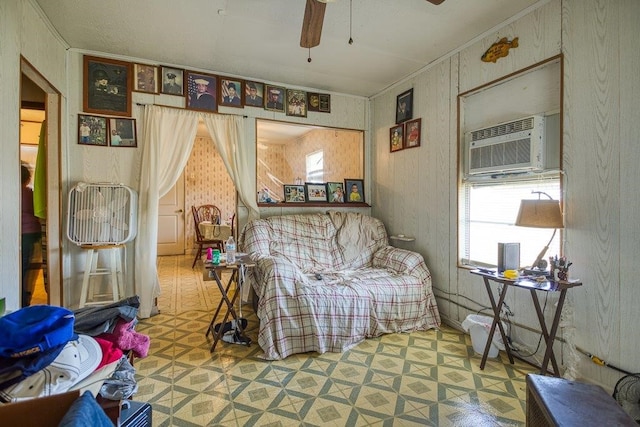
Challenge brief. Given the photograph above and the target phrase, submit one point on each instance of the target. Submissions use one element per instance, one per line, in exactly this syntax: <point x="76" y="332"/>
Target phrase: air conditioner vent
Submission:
<point x="503" y="129"/>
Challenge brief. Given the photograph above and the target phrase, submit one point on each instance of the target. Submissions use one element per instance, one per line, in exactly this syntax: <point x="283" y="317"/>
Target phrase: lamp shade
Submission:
<point x="540" y="214"/>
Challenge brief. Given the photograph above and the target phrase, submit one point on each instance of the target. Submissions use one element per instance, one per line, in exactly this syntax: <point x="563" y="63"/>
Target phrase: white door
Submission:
<point x="171" y="221"/>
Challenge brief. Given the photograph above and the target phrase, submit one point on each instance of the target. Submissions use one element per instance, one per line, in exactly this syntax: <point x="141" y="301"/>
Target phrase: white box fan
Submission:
<point x="102" y="214"/>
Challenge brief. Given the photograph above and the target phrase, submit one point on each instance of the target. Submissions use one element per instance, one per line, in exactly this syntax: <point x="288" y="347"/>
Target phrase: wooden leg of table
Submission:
<point x="230" y="310"/>
<point x="215" y="316"/>
<point x="550" y="338"/>
<point x="496" y="321"/>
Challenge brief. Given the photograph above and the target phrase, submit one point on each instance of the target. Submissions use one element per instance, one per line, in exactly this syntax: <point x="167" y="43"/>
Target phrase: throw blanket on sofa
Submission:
<point x="366" y="287"/>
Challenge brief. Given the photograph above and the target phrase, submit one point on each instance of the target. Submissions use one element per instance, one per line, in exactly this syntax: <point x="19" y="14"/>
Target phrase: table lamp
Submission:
<point x="540" y="213"/>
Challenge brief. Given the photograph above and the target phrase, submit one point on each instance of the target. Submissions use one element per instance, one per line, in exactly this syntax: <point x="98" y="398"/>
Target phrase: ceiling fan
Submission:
<point x="313" y="19"/>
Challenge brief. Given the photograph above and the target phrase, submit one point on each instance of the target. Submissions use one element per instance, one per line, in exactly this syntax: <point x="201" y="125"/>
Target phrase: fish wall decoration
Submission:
<point x="499" y="49"/>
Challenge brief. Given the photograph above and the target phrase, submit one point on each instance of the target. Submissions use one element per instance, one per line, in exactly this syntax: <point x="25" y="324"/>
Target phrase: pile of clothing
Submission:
<point x="46" y="350"/>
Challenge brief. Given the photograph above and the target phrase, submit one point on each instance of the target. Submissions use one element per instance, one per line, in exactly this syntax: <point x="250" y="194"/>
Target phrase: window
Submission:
<point x="489" y="204"/>
<point x="315" y="166"/>
<point x="487" y="216"/>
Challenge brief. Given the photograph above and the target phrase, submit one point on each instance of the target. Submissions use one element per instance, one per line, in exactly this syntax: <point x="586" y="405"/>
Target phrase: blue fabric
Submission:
<point x="35" y="329"/>
<point x="14" y="370"/>
<point x="85" y="412"/>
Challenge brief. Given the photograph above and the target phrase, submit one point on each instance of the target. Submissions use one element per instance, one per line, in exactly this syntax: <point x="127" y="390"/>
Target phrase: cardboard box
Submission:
<point x="40" y="412"/>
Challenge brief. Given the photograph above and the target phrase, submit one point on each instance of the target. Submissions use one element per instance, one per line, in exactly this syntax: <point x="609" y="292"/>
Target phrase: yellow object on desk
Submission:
<point x="215" y="231"/>
<point x="511" y="274"/>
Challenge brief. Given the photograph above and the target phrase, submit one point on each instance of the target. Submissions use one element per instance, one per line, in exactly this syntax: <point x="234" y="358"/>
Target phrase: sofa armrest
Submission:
<point x="401" y="261"/>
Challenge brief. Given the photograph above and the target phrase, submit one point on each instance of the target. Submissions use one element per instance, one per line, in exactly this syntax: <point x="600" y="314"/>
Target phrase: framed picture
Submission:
<point x="296" y="103"/>
<point x="396" y="138"/>
<point x="201" y="91"/>
<point x="231" y="92"/>
<point x="274" y="100"/>
<point x="412" y="133"/>
<point x="107" y="86"/>
<point x="404" y="106"/>
<point x="145" y="78"/>
<point x="316" y="192"/>
<point x="122" y="133"/>
<point x="324" y="103"/>
<point x="92" y="130"/>
<point x="294" y="193"/>
<point x="354" y="190"/>
<point x="254" y="94"/>
<point x="313" y="101"/>
<point x="172" y="81"/>
<point x="335" y="192"/>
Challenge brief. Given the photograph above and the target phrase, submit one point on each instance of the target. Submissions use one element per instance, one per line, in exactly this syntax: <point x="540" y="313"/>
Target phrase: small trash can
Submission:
<point x="478" y="327"/>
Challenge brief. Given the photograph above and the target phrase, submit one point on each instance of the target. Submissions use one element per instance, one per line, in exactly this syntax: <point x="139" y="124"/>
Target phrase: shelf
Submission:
<point x="314" y="205"/>
<point x="403" y="238"/>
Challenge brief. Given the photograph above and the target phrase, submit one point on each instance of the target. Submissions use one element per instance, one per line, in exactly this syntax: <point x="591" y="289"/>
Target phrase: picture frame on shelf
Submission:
<point x="201" y="91"/>
<point x="413" y="131"/>
<point x="324" y="103"/>
<point x="145" y="78"/>
<point x="254" y="94"/>
<point x="296" y="103"/>
<point x="404" y="106"/>
<point x="231" y="93"/>
<point x="122" y="133"/>
<point x="92" y="130"/>
<point x="354" y="191"/>
<point x="335" y="192"/>
<point x="172" y="81"/>
<point x="294" y="193"/>
<point x="274" y="98"/>
<point x="106" y="86"/>
<point x="316" y="192"/>
<point x="396" y="138"/>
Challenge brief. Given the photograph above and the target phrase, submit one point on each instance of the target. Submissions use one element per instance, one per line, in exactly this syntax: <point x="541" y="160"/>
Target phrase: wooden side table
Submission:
<point x="559" y="402"/>
<point x="238" y="270"/>
<point x="534" y="286"/>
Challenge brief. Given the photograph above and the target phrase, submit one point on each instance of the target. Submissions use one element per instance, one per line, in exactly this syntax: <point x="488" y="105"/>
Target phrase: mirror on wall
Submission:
<point x="290" y="153"/>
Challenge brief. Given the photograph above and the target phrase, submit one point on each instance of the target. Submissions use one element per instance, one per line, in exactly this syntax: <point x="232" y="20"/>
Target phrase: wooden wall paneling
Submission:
<point x="592" y="156"/>
<point x="538" y="38"/>
<point x="629" y="128"/>
<point x="439" y="145"/>
<point x="10" y="33"/>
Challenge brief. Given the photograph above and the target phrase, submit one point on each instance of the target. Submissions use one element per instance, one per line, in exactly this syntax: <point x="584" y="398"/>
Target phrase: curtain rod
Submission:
<point x="180" y="108"/>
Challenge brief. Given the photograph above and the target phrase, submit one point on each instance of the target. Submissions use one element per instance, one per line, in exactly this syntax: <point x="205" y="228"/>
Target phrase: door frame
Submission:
<point x="53" y="116"/>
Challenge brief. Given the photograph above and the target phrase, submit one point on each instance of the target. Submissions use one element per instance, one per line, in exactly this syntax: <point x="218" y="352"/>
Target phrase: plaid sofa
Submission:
<point x="365" y="287"/>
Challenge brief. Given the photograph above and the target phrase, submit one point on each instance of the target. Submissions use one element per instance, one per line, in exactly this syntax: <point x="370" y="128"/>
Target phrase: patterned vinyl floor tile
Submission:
<point x="417" y="379"/>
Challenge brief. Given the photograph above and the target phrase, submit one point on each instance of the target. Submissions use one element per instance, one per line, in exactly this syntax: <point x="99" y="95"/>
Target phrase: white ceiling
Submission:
<point x="260" y="39"/>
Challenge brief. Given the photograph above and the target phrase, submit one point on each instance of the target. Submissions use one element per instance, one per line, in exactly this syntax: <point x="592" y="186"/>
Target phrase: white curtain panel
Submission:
<point x="228" y="137"/>
<point x="168" y="135"/>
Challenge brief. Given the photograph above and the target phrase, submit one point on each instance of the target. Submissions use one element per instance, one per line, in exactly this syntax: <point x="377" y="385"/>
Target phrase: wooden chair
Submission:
<point x="209" y="213"/>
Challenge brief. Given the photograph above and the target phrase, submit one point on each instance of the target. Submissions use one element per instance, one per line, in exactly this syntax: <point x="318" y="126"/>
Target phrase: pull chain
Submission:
<point x="350" y="20"/>
<point x="309" y="58"/>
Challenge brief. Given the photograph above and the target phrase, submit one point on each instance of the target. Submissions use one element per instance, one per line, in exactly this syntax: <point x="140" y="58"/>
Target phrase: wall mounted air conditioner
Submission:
<point x="516" y="146"/>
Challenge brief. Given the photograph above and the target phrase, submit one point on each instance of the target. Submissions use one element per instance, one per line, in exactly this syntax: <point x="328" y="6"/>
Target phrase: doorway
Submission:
<point x="205" y="181"/>
<point x="38" y="94"/>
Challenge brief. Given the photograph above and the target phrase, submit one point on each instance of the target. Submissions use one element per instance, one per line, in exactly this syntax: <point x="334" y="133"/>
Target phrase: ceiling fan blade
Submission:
<point x="436" y="2"/>
<point x="312" y="24"/>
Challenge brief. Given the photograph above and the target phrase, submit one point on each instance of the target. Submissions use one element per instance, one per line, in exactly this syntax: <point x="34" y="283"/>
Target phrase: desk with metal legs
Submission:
<point x="238" y="271"/>
<point x="534" y="286"/>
